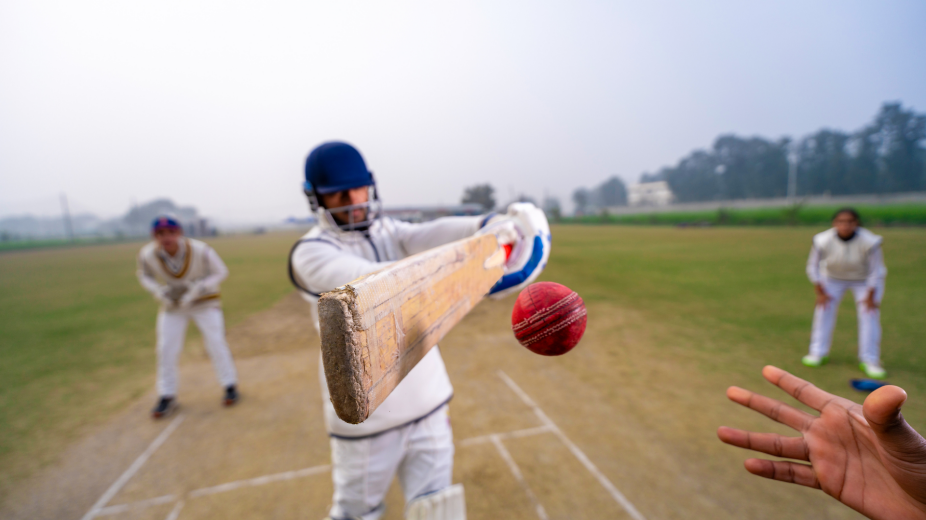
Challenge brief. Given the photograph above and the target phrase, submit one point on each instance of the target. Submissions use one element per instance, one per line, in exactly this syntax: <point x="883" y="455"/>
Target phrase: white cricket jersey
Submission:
<point x="857" y="259"/>
<point x="327" y="257"/>
<point x="195" y="267"/>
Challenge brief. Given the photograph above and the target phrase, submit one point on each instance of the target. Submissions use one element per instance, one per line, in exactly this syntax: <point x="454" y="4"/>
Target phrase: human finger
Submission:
<point x="899" y="439"/>
<point x="768" y="443"/>
<point x="771" y="408"/>
<point x="784" y="471"/>
<point x="799" y="389"/>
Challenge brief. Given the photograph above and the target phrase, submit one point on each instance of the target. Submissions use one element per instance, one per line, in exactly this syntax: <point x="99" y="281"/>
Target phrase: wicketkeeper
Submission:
<point x="409" y="434"/>
<point x="183" y="275"/>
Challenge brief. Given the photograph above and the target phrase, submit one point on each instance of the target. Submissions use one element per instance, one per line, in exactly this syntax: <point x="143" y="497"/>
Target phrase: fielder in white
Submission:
<point x="183" y="275"/>
<point x="847" y="257"/>
<point x="409" y="435"/>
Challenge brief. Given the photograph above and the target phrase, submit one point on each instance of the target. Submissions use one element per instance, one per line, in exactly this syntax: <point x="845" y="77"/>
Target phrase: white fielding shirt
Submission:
<point x="327" y="257"/>
<point x="196" y="267"/>
<point x="857" y="259"/>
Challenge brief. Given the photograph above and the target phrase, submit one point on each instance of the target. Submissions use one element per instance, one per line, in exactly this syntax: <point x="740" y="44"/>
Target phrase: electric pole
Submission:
<point x="68" y="226"/>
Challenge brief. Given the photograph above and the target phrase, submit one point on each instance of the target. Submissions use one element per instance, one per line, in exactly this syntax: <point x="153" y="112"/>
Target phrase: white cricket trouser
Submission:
<point x="171" y="333"/>
<point x="869" y="320"/>
<point x="362" y="469"/>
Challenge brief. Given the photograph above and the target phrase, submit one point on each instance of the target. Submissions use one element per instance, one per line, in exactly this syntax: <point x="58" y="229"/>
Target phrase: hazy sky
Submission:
<point x="216" y="104"/>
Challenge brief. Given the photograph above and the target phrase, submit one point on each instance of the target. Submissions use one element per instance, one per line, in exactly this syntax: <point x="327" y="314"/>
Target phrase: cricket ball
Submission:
<point x="548" y="318"/>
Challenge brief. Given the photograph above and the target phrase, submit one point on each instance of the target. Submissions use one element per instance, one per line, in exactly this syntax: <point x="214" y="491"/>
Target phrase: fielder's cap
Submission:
<point x="164" y="221"/>
<point x="335" y="166"/>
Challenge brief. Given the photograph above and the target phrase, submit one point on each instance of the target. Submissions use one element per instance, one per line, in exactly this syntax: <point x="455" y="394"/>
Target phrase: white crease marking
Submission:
<point x="579" y="454"/>
<point x="129" y="473"/>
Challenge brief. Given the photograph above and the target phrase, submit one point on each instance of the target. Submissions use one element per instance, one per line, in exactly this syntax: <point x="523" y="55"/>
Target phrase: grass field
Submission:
<point x="78" y="336"/>
<point x="685" y="311"/>
<point x="872" y="215"/>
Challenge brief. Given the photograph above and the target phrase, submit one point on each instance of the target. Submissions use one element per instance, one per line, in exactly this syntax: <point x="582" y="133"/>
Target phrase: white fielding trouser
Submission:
<point x="869" y="320"/>
<point x="420" y="453"/>
<point x="171" y="330"/>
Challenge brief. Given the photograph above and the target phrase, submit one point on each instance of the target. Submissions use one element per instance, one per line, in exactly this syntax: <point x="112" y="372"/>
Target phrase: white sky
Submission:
<point x="216" y="104"/>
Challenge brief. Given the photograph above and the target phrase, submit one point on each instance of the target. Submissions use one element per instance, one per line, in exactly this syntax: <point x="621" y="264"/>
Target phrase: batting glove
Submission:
<point x="525" y="234"/>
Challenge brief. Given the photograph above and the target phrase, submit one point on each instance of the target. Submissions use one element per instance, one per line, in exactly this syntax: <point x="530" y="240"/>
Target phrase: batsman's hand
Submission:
<point x="867" y="456"/>
<point x="525" y="234"/>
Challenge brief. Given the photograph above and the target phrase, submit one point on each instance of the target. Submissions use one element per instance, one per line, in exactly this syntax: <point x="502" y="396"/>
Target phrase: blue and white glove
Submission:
<point x="523" y="229"/>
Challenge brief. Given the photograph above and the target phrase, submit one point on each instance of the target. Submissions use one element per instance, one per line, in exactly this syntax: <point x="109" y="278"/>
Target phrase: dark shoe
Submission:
<point x="165" y="406"/>
<point x="231" y="395"/>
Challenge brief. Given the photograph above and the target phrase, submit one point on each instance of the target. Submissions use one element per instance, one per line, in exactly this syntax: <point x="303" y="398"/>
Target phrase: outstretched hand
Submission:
<point x="865" y="456"/>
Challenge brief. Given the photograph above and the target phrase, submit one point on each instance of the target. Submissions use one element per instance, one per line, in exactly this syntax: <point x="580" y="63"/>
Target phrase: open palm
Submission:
<point x="867" y="456"/>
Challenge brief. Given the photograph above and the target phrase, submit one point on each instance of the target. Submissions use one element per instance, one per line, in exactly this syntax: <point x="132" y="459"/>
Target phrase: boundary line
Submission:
<point x="516" y="471"/>
<point x="129" y="473"/>
<point x="579" y="454"/>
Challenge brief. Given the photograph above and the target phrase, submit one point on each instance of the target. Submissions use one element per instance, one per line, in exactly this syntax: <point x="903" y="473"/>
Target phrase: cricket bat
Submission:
<point x="376" y="328"/>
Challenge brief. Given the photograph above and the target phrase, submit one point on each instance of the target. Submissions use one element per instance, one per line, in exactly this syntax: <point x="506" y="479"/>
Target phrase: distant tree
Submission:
<point x="902" y="154"/>
<point x="610" y="193"/>
<point x="824" y="165"/>
<point x="582" y="201"/>
<point x="483" y="194"/>
<point x="752" y="168"/>
<point x="552" y="208"/>
<point x="864" y="161"/>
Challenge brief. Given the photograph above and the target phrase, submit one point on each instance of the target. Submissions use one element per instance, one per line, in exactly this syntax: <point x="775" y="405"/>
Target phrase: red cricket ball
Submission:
<point x="548" y="318"/>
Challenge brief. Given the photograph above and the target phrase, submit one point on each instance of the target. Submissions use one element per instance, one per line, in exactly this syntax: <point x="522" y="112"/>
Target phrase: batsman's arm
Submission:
<point x="321" y="266"/>
<point x="417" y="238"/>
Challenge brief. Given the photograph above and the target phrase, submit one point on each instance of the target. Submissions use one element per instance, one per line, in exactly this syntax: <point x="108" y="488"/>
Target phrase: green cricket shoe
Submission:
<point x="873" y="370"/>
<point x="814" y="361"/>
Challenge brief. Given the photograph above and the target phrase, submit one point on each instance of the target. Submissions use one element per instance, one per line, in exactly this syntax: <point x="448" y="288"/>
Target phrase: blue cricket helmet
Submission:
<point x="335" y="166"/>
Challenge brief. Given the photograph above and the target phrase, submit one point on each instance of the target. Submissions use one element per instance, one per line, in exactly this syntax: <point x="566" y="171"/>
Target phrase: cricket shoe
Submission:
<point x="231" y="395"/>
<point x="165" y="407"/>
<point x="873" y="370"/>
<point x="813" y="361"/>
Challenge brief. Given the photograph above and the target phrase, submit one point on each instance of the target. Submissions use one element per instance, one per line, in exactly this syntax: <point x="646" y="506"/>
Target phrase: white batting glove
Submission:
<point x="525" y="234"/>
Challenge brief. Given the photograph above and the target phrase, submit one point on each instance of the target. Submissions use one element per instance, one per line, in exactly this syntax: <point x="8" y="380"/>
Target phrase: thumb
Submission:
<point x="897" y="438"/>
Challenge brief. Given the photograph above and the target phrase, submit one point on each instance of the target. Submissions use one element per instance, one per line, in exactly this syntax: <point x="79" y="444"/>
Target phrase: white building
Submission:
<point x="650" y="194"/>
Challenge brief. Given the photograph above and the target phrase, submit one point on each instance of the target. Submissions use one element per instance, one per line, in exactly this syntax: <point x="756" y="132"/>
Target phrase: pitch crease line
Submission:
<point x="133" y="469"/>
<point x="175" y="512"/>
<point x="259" y="481"/>
<point x="482" y="439"/>
<point x="578" y="453"/>
<point x="516" y="471"/>
<point x="141" y="504"/>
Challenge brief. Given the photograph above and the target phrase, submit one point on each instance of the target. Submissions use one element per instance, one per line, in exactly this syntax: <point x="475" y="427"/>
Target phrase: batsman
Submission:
<point x="409" y="434"/>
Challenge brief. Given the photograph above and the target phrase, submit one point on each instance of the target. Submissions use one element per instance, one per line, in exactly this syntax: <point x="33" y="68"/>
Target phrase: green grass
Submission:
<point x="77" y="339"/>
<point x="872" y="215"/>
<point x="737" y="299"/>
<point x="45" y="243"/>
<point x="78" y="336"/>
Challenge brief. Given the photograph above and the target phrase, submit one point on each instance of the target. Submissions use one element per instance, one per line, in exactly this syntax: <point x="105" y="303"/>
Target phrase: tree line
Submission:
<point x="885" y="156"/>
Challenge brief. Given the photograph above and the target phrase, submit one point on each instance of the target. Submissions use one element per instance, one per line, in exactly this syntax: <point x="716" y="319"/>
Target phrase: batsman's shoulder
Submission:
<point x="316" y="239"/>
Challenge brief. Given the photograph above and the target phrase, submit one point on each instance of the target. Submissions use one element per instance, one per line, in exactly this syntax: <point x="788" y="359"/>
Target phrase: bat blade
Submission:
<point x="377" y="328"/>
